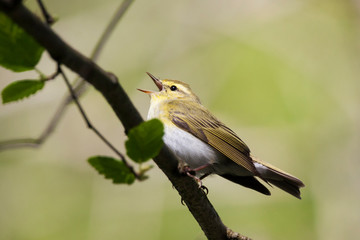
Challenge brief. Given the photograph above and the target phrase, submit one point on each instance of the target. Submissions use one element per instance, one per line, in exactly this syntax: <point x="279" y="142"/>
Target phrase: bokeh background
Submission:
<point x="282" y="74"/>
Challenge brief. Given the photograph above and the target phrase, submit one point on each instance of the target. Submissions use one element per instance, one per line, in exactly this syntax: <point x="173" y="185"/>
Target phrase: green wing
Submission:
<point x="197" y="120"/>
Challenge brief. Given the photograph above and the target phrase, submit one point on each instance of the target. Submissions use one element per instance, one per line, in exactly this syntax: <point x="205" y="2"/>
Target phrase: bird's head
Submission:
<point x="170" y="90"/>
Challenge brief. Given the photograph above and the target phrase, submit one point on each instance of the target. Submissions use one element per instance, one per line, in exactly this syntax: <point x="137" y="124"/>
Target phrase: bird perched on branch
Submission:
<point x="205" y="146"/>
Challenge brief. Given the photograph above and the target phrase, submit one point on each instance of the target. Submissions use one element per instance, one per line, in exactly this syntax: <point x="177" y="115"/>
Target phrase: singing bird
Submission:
<point x="205" y="145"/>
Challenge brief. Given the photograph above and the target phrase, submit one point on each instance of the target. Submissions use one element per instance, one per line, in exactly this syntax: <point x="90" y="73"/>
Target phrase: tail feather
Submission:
<point x="279" y="178"/>
<point x="288" y="187"/>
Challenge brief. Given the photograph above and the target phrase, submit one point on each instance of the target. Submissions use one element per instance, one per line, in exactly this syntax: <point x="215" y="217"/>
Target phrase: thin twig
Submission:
<point x="48" y="18"/>
<point x="120" y="12"/>
<point x="79" y="86"/>
<point x="90" y="125"/>
<point x="52" y="76"/>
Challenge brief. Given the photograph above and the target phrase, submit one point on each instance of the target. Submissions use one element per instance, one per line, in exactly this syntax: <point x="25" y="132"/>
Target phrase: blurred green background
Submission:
<point x="284" y="75"/>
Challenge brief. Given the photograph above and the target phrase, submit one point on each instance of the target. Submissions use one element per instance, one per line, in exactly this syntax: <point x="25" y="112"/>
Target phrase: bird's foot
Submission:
<point x="185" y="169"/>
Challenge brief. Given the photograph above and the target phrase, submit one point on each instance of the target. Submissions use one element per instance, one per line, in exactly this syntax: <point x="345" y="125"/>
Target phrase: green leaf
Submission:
<point x="145" y="141"/>
<point x="112" y="169"/>
<point x="18" y="50"/>
<point x="20" y="89"/>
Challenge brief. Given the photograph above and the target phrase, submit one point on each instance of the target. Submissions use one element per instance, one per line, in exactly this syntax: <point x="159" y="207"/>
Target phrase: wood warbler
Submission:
<point x="206" y="145"/>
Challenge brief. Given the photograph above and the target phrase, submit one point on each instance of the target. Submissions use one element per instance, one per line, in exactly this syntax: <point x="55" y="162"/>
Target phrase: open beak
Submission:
<point x="145" y="91"/>
<point x="156" y="81"/>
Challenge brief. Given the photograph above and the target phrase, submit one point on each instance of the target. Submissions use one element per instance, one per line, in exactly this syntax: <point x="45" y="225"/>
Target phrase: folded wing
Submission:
<point x="202" y="124"/>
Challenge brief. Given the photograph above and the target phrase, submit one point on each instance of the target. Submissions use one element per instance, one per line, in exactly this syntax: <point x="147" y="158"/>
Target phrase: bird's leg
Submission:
<point x="185" y="169"/>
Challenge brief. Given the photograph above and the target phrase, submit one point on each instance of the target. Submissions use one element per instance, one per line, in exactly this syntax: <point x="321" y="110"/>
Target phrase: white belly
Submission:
<point x="190" y="149"/>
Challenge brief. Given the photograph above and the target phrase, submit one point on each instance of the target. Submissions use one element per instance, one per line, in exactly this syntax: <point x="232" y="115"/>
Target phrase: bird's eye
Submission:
<point x="173" y="88"/>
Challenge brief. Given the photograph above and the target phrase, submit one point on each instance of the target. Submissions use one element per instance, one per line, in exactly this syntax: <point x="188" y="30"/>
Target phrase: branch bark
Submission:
<point x="107" y="84"/>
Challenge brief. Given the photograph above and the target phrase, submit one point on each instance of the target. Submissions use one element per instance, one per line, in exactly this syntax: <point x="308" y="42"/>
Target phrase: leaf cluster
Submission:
<point x="18" y="52"/>
<point x="144" y="142"/>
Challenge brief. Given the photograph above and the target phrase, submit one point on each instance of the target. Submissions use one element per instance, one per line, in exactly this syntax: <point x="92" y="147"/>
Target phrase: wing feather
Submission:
<point x="202" y="124"/>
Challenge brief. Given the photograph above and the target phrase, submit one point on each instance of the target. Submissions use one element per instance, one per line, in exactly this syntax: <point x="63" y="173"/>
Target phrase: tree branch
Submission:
<point x="195" y="199"/>
<point x="79" y="86"/>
